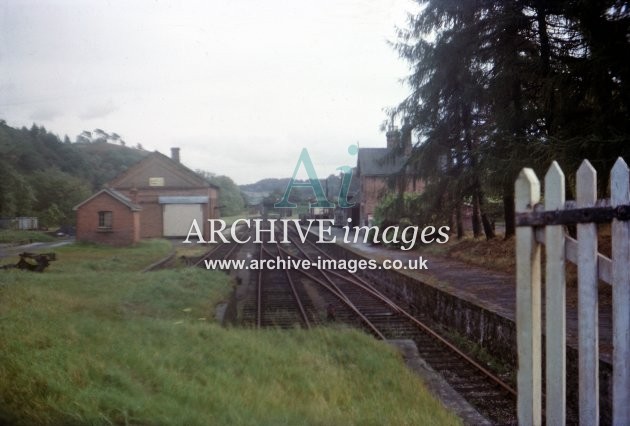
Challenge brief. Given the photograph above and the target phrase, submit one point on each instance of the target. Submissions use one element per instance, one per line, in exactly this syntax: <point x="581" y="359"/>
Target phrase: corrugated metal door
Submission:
<point x="179" y="217"/>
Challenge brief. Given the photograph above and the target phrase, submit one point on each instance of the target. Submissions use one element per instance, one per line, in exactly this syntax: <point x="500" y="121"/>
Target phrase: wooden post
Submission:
<point x="555" y="305"/>
<point x="587" y="300"/>
<point x="620" y="231"/>
<point x="528" y="329"/>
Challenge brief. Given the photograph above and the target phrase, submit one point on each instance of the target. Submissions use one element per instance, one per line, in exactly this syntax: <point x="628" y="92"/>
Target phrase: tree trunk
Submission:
<point x="458" y="219"/>
<point x="545" y="62"/>
<point x="476" y="220"/>
<point x="488" y="229"/>
<point x="487" y="226"/>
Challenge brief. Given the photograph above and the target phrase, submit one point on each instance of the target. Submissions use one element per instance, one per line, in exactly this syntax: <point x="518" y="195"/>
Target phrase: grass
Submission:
<point x="482" y="356"/>
<point x="11" y="236"/>
<point x="229" y="220"/>
<point x="497" y="254"/>
<point x="94" y="341"/>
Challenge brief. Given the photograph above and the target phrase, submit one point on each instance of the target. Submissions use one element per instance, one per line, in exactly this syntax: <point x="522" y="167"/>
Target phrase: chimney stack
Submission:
<point x="393" y="138"/>
<point x="175" y="154"/>
<point x="406" y="139"/>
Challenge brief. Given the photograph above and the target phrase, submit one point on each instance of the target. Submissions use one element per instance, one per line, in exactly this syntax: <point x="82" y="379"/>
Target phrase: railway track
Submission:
<point x="487" y="392"/>
<point x="287" y="298"/>
<point x="280" y="303"/>
<point x="222" y="251"/>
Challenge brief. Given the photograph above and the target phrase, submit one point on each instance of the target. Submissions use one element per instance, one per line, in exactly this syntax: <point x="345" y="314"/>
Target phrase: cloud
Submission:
<point x="45" y="113"/>
<point x="219" y="79"/>
<point x="98" y="111"/>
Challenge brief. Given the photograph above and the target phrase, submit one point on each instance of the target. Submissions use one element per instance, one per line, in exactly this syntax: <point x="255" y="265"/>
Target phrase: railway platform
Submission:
<point x="492" y="290"/>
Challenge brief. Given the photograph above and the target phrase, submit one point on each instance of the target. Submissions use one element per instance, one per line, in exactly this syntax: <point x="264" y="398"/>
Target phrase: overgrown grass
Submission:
<point x="500" y="255"/>
<point x="94" y="341"/>
<point x="229" y="220"/>
<point x="88" y="257"/>
<point x="496" y="254"/>
<point x="481" y="355"/>
<point x="11" y="236"/>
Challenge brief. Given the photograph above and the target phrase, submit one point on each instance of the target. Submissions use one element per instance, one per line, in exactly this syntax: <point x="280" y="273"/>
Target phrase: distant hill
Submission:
<point x="41" y="175"/>
<point x="108" y="160"/>
<point x="275" y="187"/>
<point x="266" y="185"/>
<point x="36" y="149"/>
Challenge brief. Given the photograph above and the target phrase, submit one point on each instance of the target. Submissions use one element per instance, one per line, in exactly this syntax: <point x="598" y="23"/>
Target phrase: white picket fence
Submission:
<point x="537" y="227"/>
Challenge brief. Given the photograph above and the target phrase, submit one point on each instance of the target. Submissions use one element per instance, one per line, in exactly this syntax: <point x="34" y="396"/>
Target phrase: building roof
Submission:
<point x="182" y="199"/>
<point x="114" y="194"/>
<point x="379" y="162"/>
<point x="137" y="176"/>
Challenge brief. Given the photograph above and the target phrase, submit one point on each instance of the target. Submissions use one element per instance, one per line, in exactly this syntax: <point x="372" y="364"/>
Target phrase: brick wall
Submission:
<point x="151" y="220"/>
<point x="152" y="212"/>
<point x="125" y="223"/>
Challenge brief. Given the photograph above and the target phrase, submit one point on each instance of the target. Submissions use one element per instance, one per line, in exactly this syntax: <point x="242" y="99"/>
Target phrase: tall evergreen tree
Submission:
<point x="496" y="86"/>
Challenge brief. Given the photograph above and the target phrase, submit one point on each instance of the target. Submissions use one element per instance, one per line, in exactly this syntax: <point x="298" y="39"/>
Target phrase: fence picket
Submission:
<point x="620" y="232"/>
<point x="528" y="329"/>
<point x="555" y="306"/>
<point x="587" y="299"/>
<point x="538" y="226"/>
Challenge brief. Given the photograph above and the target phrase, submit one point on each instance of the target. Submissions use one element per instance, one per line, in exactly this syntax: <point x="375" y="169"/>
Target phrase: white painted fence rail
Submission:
<point x="534" y="229"/>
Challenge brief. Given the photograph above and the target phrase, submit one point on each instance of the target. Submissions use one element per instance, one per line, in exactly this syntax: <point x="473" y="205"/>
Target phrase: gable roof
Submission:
<point x="379" y="162"/>
<point x="354" y="183"/>
<point x="115" y="195"/>
<point x="137" y="175"/>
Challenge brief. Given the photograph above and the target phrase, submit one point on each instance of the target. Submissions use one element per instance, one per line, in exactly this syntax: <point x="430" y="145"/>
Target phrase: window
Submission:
<point x="105" y="221"/>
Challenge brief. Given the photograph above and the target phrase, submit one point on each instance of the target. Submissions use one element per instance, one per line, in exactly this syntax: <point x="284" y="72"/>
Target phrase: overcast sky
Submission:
<point x="241" y="86"/>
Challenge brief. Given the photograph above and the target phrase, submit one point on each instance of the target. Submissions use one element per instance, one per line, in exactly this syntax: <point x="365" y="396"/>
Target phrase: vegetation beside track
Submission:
<point x="10" y="236"/>
<point x="94" y="341"/>
<point x="497" y="254"/>
<point x="500" y="255"/>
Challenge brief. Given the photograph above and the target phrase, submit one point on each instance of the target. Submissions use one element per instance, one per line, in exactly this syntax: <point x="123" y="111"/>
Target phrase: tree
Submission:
<point x="230" y="197"/>
<point x="56" y="193"/>
<point x="100" y="136"/>
<point x="41" y="175"/>
<point x="496" y="86"/>
<point x="16" y="194"/>
<point x="447" y="106"/>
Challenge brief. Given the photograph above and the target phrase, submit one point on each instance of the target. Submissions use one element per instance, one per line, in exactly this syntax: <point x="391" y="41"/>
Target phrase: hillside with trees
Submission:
<point x="497" y="86"/>
<point x="44" y="176"/>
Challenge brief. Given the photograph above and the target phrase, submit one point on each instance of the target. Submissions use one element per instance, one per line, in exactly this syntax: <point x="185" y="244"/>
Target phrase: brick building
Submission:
<point x="376" y="166"/>
<point x="108" y="217"/>
<point x="167" y="197"/>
